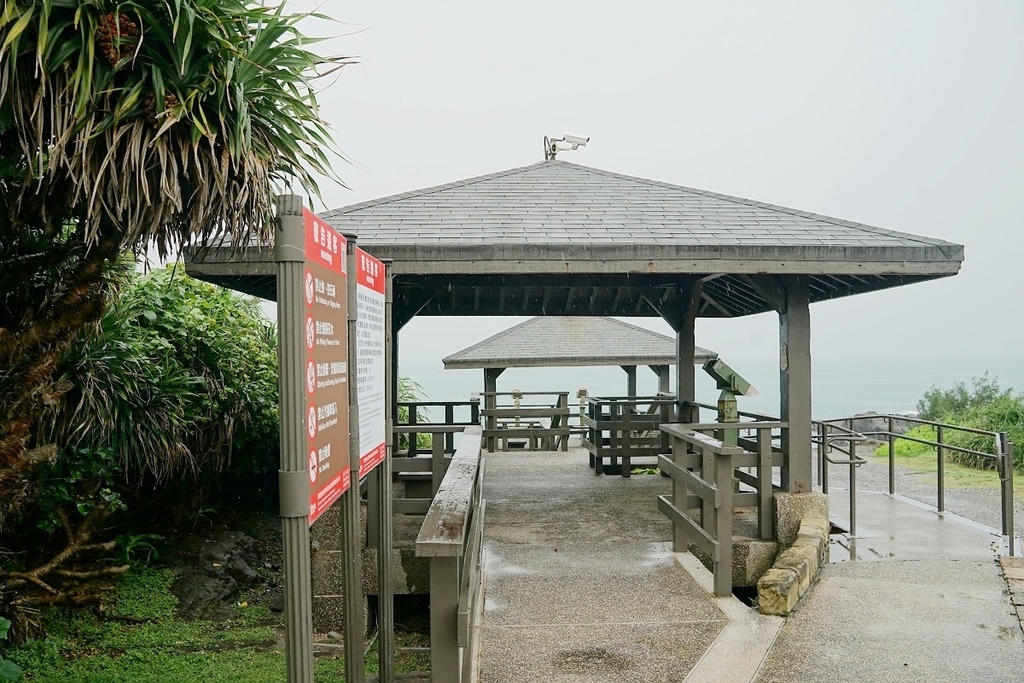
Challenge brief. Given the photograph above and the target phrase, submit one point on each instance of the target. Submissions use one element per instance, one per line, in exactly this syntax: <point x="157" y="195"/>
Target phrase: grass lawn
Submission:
<point x="921" y="459"/>
<point x="154" y="645"/>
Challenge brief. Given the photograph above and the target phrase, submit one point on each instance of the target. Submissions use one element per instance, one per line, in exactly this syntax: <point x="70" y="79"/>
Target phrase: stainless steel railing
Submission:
<point x="830" y="437"/>
<point x="1001" y="457"/>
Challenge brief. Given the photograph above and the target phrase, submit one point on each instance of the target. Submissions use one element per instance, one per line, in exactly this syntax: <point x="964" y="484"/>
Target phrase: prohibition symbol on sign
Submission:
<point x="309" y="287"/>
<point x="312" y="467"/>
<point x="311" y="421"/>
<point x="310" y="332"/>
<point x="310" y="377"/>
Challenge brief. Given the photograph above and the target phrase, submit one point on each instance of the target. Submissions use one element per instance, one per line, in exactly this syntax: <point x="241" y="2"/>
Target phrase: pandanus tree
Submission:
<point x="124" y="126"/>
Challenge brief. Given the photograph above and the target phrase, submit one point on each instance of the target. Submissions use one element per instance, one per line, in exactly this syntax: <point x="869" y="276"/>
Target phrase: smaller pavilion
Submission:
<point x="573" y="341"/>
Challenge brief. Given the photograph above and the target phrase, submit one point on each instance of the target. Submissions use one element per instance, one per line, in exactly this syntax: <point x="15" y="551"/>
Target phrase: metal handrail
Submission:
<point x="1002" y="459"/>
<point x="828" y="443"/>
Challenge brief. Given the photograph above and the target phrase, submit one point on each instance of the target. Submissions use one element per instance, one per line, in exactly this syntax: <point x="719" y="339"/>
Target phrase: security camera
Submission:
<point x="568" y="141"/>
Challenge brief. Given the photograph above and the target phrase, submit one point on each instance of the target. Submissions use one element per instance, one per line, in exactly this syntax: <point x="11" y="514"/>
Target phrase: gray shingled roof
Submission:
<point x="556" y="238"/>
<point x="559" y="341"/>
<point x="556" y="202"/>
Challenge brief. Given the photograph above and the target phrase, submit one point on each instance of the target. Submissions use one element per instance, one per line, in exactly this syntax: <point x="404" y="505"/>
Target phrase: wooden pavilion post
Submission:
<point x="663" y="377"/>
<point x="683" y="320"/>
<point x="630" y="380"/>
<point x="491" y="402"/>
<point x="795" y="384"/>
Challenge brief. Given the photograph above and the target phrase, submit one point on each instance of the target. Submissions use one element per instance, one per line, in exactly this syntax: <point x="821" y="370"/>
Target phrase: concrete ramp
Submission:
<point x="581" y="583"/>
<point x="914" y="596"/>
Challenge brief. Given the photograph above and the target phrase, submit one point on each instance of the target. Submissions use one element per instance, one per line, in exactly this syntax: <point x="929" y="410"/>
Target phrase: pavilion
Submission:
<point x="559" y="239"/>
<point x="566" y="341"/>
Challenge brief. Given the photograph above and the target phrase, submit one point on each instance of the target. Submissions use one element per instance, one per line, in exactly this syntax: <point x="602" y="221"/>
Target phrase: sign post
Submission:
<point x="386" y="601"/>
<point x="352" y="573"/>
<point x="331" y="345"/>
<point x="313" y="358"/>
<point x="371" y="361"/>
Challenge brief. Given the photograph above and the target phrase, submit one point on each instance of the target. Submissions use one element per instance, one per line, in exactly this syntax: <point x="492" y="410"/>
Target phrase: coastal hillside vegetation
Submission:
<point x="169" y="411"/>
<point x="130" y="127"/>
<point x="982" y="405"/>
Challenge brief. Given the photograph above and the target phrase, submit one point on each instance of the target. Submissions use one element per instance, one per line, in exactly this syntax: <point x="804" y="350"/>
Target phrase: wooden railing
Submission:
<point x="422" y="475"/>
<point x="623" y="428"/>
<point x="422" y="413"/>
<point x="452" y="537"/>
<point x="421" y="465"/>
<point x="703" y="468"/>
<point x="532" y="419"/>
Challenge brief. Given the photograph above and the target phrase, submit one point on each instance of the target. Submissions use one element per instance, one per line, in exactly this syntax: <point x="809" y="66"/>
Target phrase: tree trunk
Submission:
<point x="38" y="328"/>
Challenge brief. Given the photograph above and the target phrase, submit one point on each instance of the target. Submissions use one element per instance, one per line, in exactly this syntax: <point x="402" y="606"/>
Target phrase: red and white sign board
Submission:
<point x="370" y="360"/>
<point x="326" y="364"/>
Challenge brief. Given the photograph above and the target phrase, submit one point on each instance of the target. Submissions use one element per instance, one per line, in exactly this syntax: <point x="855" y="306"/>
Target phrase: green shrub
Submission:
<point x="179" y="378"/>
<point x="939" y="404"/>
<point x="1003" y="414"/>
<point x="902" y="448"/>
<point x="177" y="384"/>
<point x="409" y="390"/>
<point x="983" y="406"/>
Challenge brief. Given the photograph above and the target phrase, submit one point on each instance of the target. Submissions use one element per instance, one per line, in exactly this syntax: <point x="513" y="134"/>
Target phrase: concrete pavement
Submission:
<point x="581" y="585"/>
<point x="914" y="596"/>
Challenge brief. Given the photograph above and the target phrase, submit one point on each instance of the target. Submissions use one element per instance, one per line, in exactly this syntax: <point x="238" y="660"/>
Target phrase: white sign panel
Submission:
<point x="370" y="360"/>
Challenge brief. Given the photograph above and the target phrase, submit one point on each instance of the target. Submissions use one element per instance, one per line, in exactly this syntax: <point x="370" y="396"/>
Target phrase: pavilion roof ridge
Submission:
<point x="422" y="192"/>
<point x="811" y="215"/>
<point x="570" y="340"/>
<point x="487" y="341"/>
<point x="948" y="249"/>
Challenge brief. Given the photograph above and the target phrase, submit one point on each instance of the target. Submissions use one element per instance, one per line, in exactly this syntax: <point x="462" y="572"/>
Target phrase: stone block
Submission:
<point x="1013" y="573"/>
<point x="792" y="508"/>
<point x="796" y="567"/>
<point x="814" y="534"/>
<point x="751" y="559"/>
<point x="802" y="561"/>
<point x="326" y="532"/>
<point x="327" y="567"/>
<point x="409" y="574"/>
<point x="777" y="592"/>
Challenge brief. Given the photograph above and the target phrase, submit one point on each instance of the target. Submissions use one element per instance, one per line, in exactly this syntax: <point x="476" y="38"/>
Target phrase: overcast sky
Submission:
<point x="904" y="115"/>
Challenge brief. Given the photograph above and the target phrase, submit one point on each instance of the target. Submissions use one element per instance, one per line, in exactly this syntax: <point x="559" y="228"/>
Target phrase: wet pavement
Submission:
<point x="580" y="580"/>
<point x="581" y="585"/>
<point x="978" y="503"/>
<point x="914" y="596"/>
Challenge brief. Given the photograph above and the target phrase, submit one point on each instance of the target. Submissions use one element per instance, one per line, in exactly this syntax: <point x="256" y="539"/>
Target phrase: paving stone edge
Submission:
<point x="794" y="570"/>
<point x="1013" y="573"/>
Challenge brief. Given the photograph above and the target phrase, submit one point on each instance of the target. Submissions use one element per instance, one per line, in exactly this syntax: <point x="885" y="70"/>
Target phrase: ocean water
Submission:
<point x="840" y="387"/>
